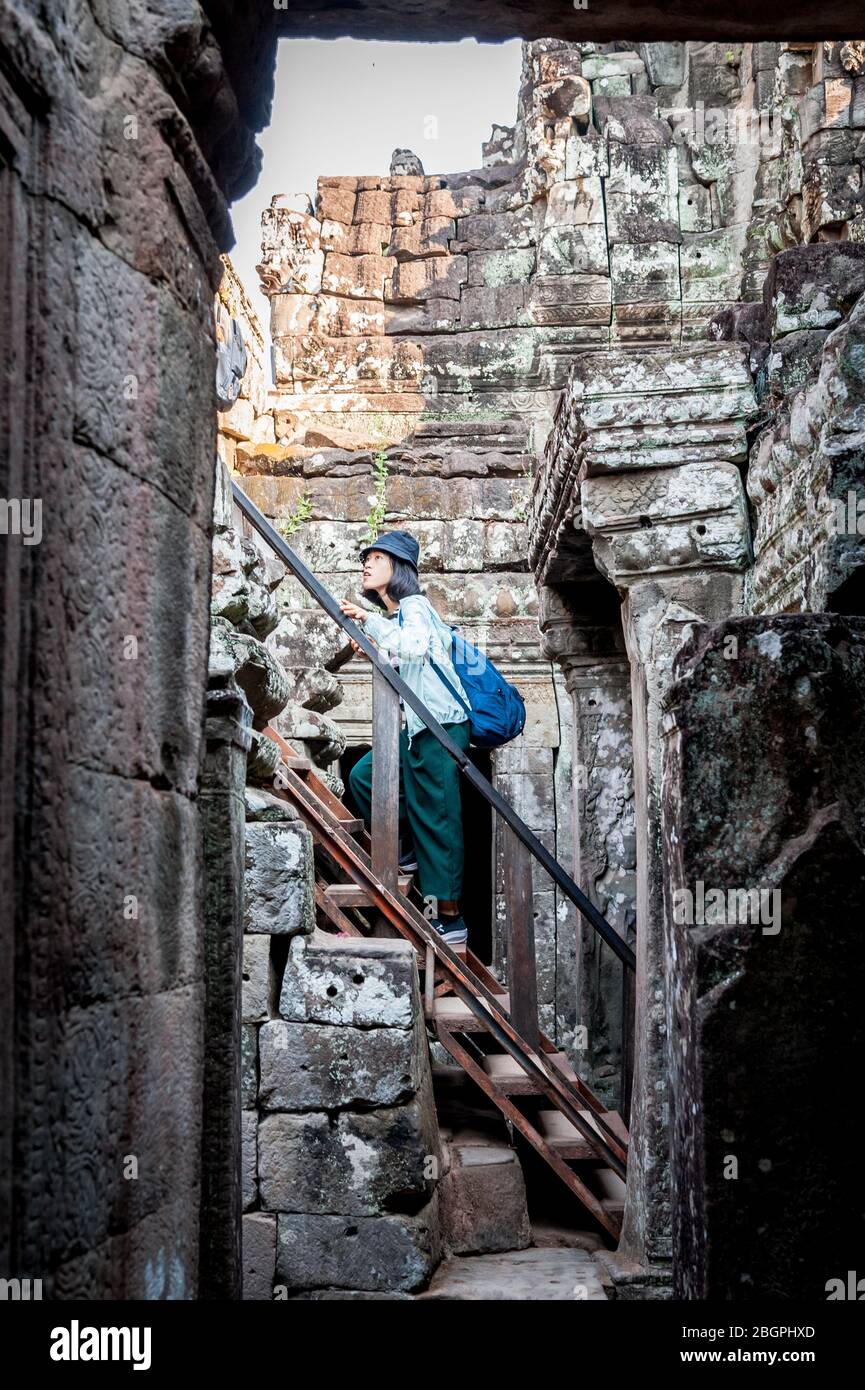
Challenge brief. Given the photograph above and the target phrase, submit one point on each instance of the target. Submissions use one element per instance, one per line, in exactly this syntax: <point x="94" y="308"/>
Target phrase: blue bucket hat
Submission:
<point x="397" y="543"/>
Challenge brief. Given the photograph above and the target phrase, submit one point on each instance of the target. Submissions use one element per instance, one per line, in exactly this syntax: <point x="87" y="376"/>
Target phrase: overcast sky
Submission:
<point x="343" y="106"/>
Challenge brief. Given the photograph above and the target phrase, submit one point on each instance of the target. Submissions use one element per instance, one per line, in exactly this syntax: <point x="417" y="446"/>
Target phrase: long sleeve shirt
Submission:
<point x="420" y="638"/>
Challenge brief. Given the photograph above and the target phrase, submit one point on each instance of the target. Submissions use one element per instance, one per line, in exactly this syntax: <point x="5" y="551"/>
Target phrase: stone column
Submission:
<point x="659" y="614"/>
<point x="582" y="632"/>
<point x="605" y="859"/>
<point x="223" y="816"/>
<point x="672" y="539"/>
<point x="764" y="836"/>
<point x="642" y="464"/>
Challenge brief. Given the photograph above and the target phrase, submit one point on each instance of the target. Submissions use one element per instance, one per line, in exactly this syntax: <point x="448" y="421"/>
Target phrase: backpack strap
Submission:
<point x="443" y="678"/>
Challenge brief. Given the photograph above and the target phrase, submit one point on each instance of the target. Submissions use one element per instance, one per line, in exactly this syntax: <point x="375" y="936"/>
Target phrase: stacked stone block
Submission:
<point x="763" y="794"/>
<point x="342" y="1155"/>
<point x="641" y="485"/>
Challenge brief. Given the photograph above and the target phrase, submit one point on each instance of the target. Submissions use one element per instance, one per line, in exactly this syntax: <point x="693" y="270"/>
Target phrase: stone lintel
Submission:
<point x="642" y="457"/>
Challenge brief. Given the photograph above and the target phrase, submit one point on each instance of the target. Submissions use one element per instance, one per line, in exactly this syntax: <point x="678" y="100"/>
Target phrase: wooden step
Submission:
<point x="611" y="1187"/>
<point x="510" y="1078"/>
<point x="565" y="1138"/>
<point x="354" y="895"/>
<point x="354" y="825"/>
<point x="458" y="1016"/>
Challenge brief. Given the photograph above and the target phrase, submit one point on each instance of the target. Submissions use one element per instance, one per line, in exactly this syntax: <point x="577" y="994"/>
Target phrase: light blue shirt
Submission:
<point x="422" y="636"/>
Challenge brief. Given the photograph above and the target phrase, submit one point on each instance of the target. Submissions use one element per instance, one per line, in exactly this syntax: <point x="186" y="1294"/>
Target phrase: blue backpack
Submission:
<point x="496" y="709"/>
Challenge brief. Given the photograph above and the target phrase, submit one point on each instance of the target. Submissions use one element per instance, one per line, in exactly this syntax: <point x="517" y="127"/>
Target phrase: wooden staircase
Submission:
<point x="518" y="1069"/>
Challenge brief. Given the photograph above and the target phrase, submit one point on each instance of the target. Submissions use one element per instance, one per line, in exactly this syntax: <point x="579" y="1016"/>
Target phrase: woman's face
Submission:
<point x="377" y="570"/>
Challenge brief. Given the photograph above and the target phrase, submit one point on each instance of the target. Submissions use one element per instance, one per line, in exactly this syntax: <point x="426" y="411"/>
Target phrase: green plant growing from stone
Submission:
<point x="522" y="500"/>
<point x="300" y="512"/>
<point x="378" y="511"/>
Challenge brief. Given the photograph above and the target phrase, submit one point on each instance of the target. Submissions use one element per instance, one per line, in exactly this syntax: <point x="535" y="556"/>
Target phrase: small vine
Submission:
<point x="378" y="511"/>
<point x="300" y="512"/>
<point x="521" y="501"/>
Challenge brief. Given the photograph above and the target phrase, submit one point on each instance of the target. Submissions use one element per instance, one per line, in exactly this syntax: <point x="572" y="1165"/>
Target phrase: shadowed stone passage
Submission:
<point x="765" y="789"/>
<point x="581" y="623"/>
<point x="562" y="1275"/>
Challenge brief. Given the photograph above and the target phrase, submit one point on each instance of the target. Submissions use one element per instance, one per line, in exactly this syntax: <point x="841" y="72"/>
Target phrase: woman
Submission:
<point x="413" y="635"/>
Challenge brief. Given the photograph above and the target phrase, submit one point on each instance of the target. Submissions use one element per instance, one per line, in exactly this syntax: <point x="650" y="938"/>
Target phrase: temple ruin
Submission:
<point x="612" y="379"/>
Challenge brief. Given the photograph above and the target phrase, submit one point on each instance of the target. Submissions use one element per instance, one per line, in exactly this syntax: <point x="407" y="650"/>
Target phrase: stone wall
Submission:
<point x="764" y="793"/>
<point x="247" y="420"/>
<point x="121" y="146"/>
<point x="642" y="478"/>
<point x="806" y="479"/>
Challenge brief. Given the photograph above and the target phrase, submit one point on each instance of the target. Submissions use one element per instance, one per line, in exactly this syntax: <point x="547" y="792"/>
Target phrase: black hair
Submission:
<point x="403" y="581"/>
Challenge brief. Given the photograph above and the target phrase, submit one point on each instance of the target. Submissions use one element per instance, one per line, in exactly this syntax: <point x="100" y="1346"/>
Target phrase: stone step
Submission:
<point x="562" y="1136"/>
<point x="509" y="1076"/>
<point x="563" y="1275"/>
<point x="482" y="1195"/>
<point x="458" y="1016"/>
<point x="610" y="1187"/>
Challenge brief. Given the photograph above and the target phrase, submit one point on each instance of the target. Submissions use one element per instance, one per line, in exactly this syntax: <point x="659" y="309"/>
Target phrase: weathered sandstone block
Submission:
<point x="309" y="1065"/>
<point x="364" y="1164"/>
<point x="278" y="880"/>
<point x="366" y="1252"/>
<point x="361" y="984"/>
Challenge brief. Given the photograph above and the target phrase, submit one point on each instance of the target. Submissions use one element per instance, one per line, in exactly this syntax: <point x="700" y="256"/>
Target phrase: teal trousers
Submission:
<point x="429" y="804"/>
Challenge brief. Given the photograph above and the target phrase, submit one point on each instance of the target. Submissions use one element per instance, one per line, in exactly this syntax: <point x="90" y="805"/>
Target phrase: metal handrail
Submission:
<point x="502" y="807"/>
